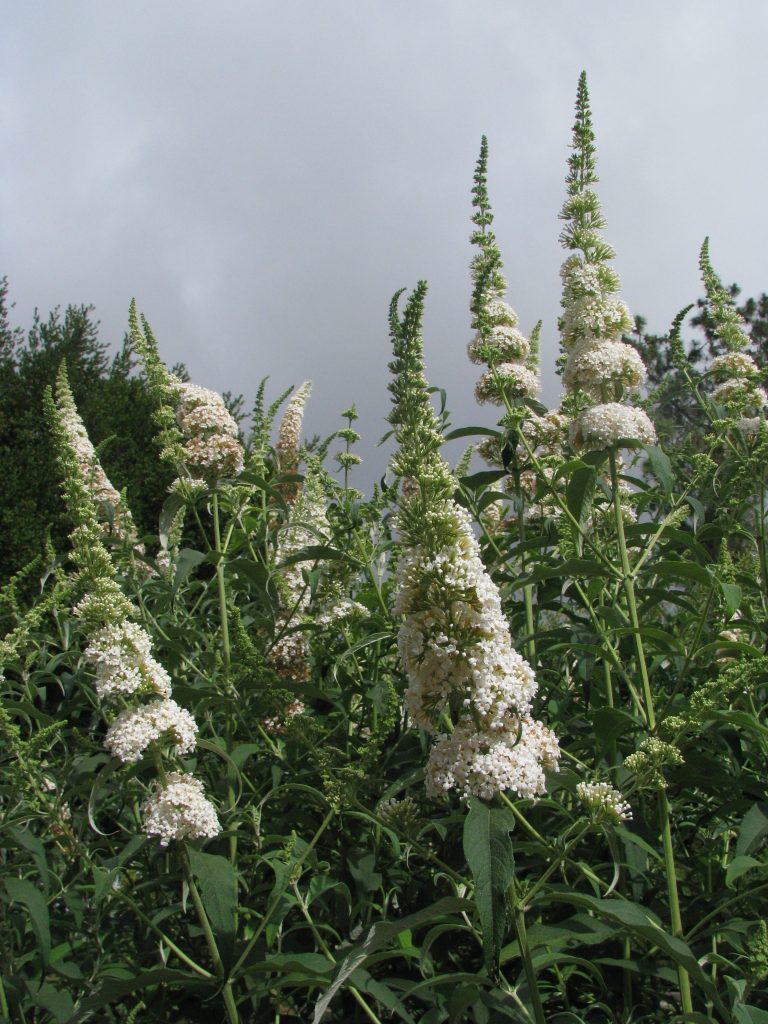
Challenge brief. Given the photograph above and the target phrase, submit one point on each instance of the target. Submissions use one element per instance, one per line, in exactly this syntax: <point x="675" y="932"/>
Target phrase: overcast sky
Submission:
<point x="262" y="175"/>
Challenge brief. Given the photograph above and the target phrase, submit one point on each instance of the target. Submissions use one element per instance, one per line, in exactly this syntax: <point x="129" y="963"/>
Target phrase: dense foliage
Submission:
<point x="116" y="407"/>
<point x="489" y="745"/>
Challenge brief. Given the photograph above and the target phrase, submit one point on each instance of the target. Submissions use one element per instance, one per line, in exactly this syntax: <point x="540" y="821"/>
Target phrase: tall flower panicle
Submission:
<point x="736" y="374"/>
<point x="307" y="526"/>
<point x="178" y="809"/>
<point x="118" y="648"/>
<point x="511" y="359"/>
<point x="600" y="367"/>
<point x="197" y="431"/>
<point x="212" y="447"/>
<point x="114" y="515"/>
<point x="454" y="641"/>
<point x="289" y="438"/>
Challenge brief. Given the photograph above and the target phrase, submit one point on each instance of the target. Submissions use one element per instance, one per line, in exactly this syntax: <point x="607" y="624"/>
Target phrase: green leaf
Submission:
<point x="316" y="553"/>
<point x="218" y="891"/>
<point x="172" y="504"/>
<point x="610" y="723"/>
<point x="753" y="829"/>
<point x="731" y="597"/>
<point x="255" y="572"/>
<point x="379" y="936"/>
<point x="187" y="560"/>
<point x="580" y="492"/>
<point x="34" y="846"/>
<point x="740" y="866"/>
<point x="744" y="1014"/>
<point x="475" y="481"/>
<point x="111" y="988"/>
<point x="488" y="850"/>
<point x="661" y="467"/>
<point x="59" y="1004"/>
<point x="632" y="918"/>
<point x="21" y="891"/>
<point x="470" y="432"/>
<point x="681" y="571"/>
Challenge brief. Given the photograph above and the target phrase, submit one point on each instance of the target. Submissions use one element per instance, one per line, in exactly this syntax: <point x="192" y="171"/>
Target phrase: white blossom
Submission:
<point x="289" y="431"/>
<point x="454" y="638"/>
<point x="733" y="364"/>
<point x="481" y="763"/>
<point x="178" y="809"/>
<point x="511" y="379"/>
<point x="603" y="426"/>
<point x="503" y="343"/>
<point x="604" y="802"/>
<point x="121" y="654"/>
<point x="597" y="367"/>
<point x="211" y="445"/>
<point x="740" y="391"/>
<point x="135" y="728"/>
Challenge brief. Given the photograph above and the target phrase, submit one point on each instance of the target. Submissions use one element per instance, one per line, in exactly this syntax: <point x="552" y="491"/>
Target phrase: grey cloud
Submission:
<point x="262" y="176"/>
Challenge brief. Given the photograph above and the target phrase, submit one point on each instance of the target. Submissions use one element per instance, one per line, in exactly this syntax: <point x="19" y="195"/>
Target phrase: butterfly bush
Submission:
<point x="288" y="444"/>
<point x="604" y="803"/>
<point x="308" y="525"/>
<point x="467" y="685"/>
<point x="735" y="373"/>
<point x="600" y="368"/>
<point x="118" y="519"/>
<point x="512" y="359"/>
<point x="119" y="651"/>
<point x="211" y="445"/>
<point x="178" y="809"/>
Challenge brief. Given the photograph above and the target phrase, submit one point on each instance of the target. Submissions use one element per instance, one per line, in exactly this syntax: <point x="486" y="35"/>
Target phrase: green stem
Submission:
<point x="279" y="895"/>
<point x="227" y="650"/>
<point x="530" y="971"/>
<point x="674" y="901"/>
<point x="164" y="938"/>
<point x="4" y="1002"/>
<point x="666" y="830"/>
<point x="328" y="955"/>
<point x="222" y="590"/>
<point x="528" y="588"/>
<point x="218" y="965"/>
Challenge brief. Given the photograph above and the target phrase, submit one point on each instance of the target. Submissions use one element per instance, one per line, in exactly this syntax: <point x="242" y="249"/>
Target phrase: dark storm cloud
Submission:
<point x="262" y="176"/>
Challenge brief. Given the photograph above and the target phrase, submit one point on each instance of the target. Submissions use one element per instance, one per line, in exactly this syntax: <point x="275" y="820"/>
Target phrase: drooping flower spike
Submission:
<point x="120" y="650"/>
<point x="511" y="360"/>
<point x="600" y="368"/>
<point x="468" y="686"/>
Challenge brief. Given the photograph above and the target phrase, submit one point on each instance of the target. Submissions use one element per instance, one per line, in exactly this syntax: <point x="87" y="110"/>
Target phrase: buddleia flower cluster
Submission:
<point x="512" y="360"/>
<point x="603" y="803"/>
<point x="212" y="448"/>
<point x="119" y="650"/>
<point x="468" y="686"/>
<point x="513" y="371"/>
<point x="197" y="431"/>
<point x="288" y="444"/>
<point x="600" y="368"/>
<point x="114" y="515"/>
<point x="735" y="373"/>
<point x="307" y="526"/>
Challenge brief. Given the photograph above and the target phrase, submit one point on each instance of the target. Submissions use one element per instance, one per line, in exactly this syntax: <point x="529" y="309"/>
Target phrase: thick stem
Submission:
<point x="276" y="899"/>
<point x="218" y="965"/>
<point x="227" y="650"/>
<point x="666" y="830"/>
<point x="528" y="588"/>
<point x="674" y="901"/>
<point x="4" y="1002"/>
<point x="530" y="971"/>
